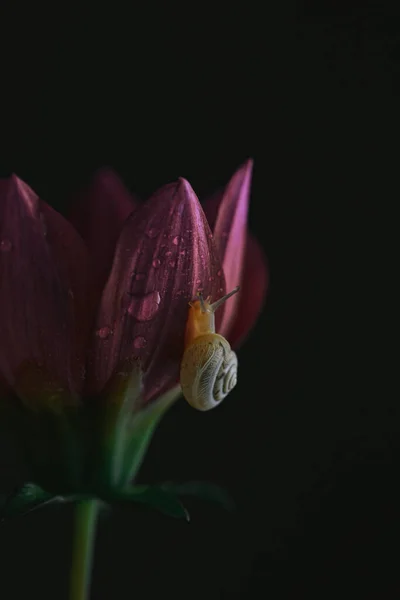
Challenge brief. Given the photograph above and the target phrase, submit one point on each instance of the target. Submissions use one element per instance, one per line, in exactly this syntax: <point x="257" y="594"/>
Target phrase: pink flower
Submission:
<point x="112" y="284"/>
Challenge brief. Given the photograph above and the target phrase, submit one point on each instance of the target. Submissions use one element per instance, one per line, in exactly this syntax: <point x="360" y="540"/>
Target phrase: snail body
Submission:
<point x="209" y="365"/>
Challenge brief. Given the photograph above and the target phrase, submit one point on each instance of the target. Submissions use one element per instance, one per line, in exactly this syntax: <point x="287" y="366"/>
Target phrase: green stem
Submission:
<point x="86" y="513"/>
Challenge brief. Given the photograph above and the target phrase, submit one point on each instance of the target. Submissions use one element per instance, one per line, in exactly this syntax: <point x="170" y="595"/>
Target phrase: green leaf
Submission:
<point x="204" y="490"/>
<point x="31" y="497"/>
<point x="153" y="496"/>
<point x="28" y="498"/>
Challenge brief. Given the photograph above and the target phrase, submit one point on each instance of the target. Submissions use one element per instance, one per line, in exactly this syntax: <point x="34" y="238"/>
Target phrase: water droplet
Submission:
<point x="144" y="308"/>
<point x="219" y="273"/>
<point x="156" y="263"/>
<point x="103" y="333"/>
<point x="211" y="279"/>
<point x="182" y="252"/>
<point x="139" y="276"/>
<point x="221" y="289"/>
<point x="152" y="232"/>
<point x="198" y="281"/>
<point x="169" y="253"/>
<point x="172" y="263"/>
<point x="5" y="245"/>
<point x="176" y="240"/>
<point x="139" y="341"/>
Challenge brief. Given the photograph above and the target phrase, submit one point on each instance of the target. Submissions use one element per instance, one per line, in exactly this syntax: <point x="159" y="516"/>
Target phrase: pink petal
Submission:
<point x="164" y="255"/>
<point x="227" y="215"/>
<point x="252" y="293"/>
<point x="98" y="214"/>
<point x="43" y="267"/>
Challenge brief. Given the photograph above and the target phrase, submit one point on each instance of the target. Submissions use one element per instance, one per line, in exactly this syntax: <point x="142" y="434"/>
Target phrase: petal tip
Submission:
<point x="105" y="173"/>
<point x="25" y="193"/>
<point x="184" y="188"/>
<point x="15" y="181"/>
<point x="248" y="164"/>
<point x="183" y="183"/>
<point x="245" y="171"/>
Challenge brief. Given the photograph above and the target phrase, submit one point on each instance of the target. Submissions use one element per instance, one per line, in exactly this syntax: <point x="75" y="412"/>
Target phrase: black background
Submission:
<point x="308" y="442"/>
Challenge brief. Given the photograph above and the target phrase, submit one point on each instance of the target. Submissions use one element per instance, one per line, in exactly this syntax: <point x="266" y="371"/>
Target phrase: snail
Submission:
<point x="209" y="366"/>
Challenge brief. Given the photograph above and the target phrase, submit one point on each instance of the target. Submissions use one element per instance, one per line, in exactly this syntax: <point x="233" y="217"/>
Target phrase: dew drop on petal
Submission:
<point x="219" y="273"/>
<point x="176" y="240"/>
<point x="144" y="307"/>
<point x="198" y="281"/>
<point x="172" y="263"/>
<point x="139" y="341"/>
<point x="139" y="276"/>
<point x="5" y="245"/>
<point x="103" y="333"/>
<point x="211" y="279"/>
<point x="156" y="263"/>
<point x="169" y="253"/>
<point x="152" y="232"/>
<point x="182" y="252"/>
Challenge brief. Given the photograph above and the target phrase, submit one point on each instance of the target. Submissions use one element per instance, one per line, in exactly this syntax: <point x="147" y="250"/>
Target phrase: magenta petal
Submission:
<point x="98" y="214"/>
<point x="165" y="254"/>
<point x="252" y="293"/>
<point x="42" y="270"/>
<point x="227" y="215"/>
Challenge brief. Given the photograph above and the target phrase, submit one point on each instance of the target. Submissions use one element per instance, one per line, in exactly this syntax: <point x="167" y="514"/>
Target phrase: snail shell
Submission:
<point x="209" y="365"/>
<point x="208" y="371"/>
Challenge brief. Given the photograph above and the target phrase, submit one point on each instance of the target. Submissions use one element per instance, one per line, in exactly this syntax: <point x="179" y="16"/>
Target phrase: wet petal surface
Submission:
<point x="165" y="254"/>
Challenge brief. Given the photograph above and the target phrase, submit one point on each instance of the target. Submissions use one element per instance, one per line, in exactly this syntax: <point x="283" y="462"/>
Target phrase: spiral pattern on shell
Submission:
<point x="226" y="378"/>
<point x="208" y="371"/>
